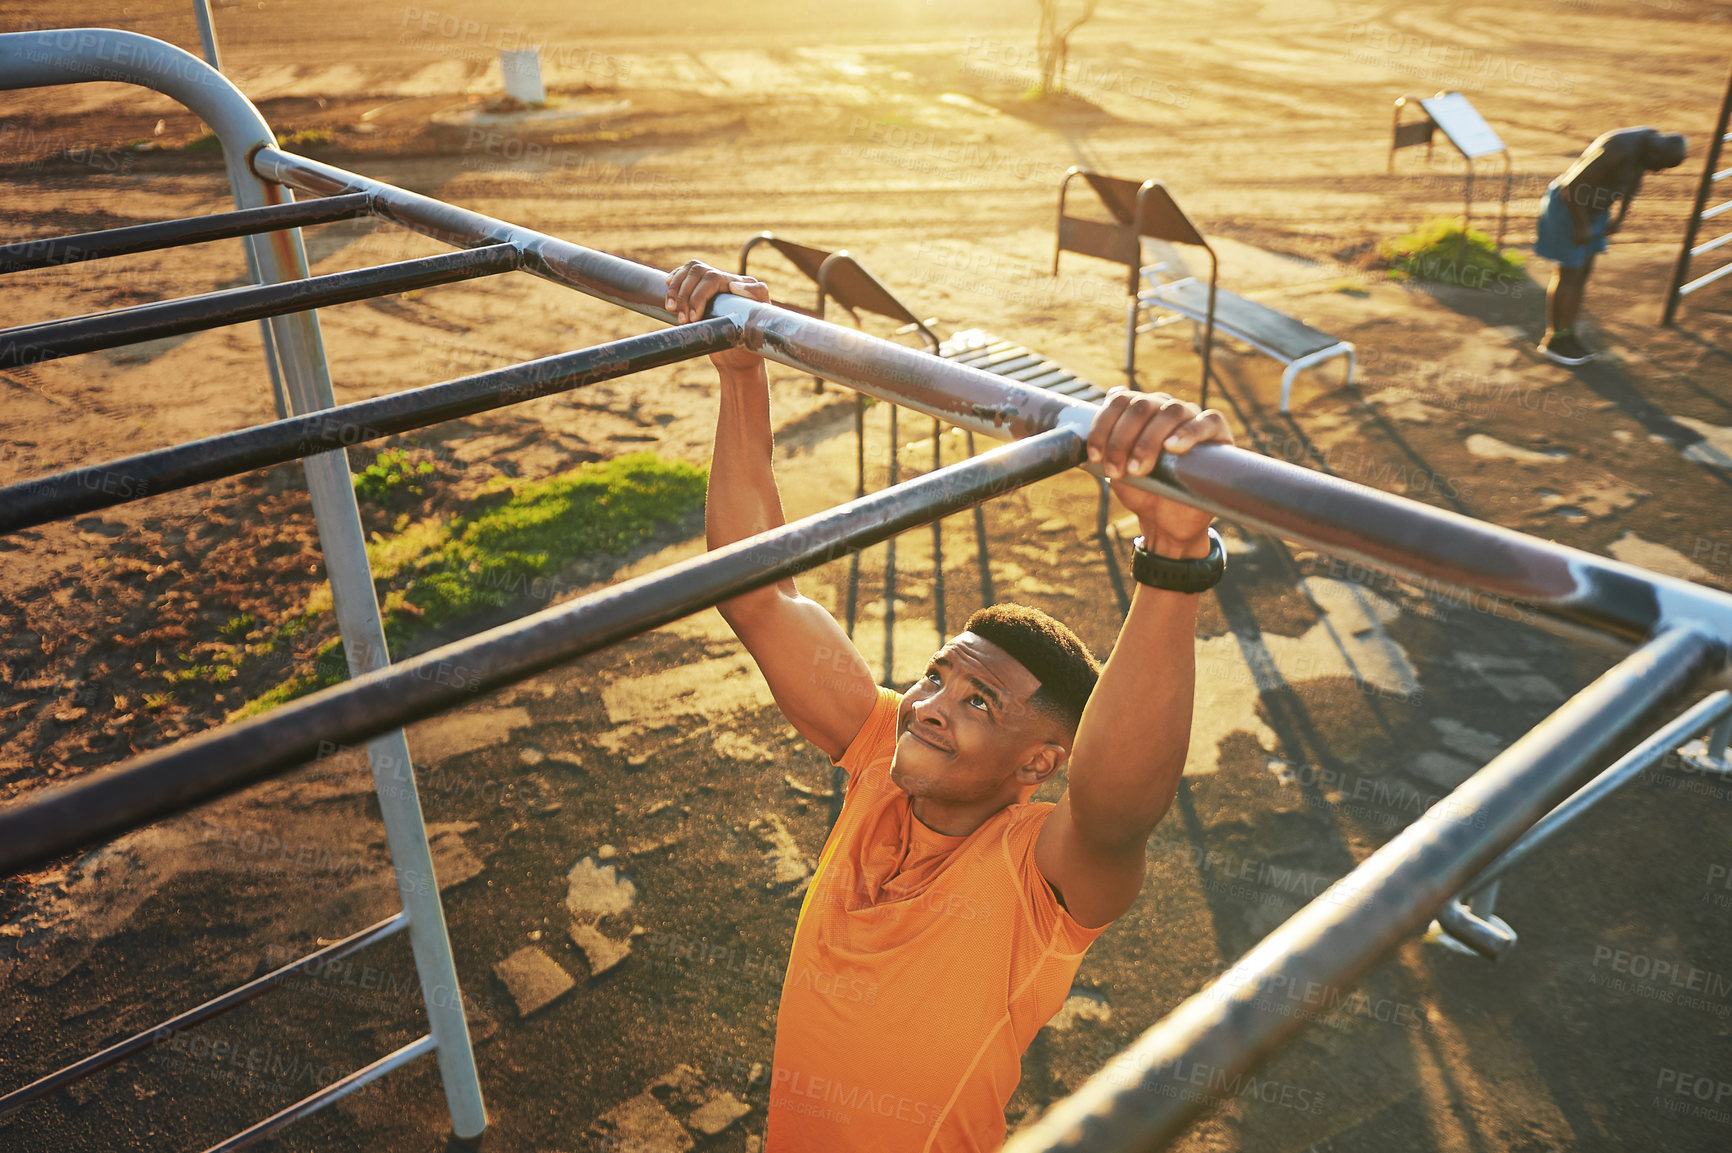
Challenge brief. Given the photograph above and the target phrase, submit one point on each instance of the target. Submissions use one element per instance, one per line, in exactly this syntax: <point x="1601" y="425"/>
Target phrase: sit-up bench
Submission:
<point x="1148" y="210"/>
<point x="1274" y="334"/>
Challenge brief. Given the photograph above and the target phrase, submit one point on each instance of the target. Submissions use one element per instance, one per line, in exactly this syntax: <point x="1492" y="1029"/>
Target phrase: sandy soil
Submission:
<point x="1333" y="704"/>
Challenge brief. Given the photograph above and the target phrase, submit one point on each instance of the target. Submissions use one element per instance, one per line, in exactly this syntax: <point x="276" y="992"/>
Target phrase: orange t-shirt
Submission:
<point x="922" y="967"/>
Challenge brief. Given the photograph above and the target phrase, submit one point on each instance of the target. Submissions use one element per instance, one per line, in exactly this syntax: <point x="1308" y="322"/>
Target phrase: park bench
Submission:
<point x="1147" y="210"/>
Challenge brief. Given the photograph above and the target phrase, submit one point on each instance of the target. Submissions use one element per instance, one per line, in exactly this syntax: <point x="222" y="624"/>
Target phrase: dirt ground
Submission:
<point x="1333" y="705"/>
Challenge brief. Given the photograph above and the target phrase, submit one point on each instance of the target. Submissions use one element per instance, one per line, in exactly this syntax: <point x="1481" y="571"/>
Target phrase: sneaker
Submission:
<point x="1564" y="348"/>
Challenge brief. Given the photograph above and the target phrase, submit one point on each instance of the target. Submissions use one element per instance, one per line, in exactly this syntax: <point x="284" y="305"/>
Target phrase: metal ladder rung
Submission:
<point x="1717" y="242"/>
<point x="1702" y="281"/>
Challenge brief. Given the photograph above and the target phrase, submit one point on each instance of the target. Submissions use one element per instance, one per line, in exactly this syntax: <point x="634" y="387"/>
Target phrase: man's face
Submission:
<point x="967" y="725"/>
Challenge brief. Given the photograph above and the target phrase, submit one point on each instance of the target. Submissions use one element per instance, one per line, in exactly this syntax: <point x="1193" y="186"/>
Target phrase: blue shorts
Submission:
<point x="1557" y="232"/>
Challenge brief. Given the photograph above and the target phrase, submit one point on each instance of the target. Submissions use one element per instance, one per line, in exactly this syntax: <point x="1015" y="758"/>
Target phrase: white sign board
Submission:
<point x="1463" y="124"/>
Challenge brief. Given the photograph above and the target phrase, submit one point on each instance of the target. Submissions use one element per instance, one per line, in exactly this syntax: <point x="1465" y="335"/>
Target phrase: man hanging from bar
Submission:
<point x="1575" y="220"/>
<point x="948" y="914"/>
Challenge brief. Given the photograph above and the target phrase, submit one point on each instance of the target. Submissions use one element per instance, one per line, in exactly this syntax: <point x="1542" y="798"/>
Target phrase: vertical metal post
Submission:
<point x="938" y="544"/>
<point x="307" y="376"/>
<point x="207" y="35"/>
<point x="1720" y="738"/>
<point x="1681" y="272"/>
<point x="207" y="32"/>
<point x="889" y="680"/>
<point x="981" y="560"/>
<point x="35" y="59"/>
<point x="859" y="491"/>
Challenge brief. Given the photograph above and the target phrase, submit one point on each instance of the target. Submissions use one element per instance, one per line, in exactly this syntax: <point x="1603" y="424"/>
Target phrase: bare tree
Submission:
<point x="1054" y="43"/>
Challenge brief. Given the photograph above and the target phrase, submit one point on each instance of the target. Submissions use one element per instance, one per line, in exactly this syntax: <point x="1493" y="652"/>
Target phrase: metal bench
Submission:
<point x="1148" y="210"/>
<point x="1274" y="334"/>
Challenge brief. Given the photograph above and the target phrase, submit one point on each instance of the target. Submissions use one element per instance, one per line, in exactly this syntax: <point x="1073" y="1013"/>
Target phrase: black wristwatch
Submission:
<point x="1180" y="576"/>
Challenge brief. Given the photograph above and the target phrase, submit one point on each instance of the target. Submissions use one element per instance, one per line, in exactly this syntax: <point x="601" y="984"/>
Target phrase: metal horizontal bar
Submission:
<point x="81" y="490"/>
<point x="1142" y="1098"/>
<point x="1722" y="174"/>
<point x="57" y="820"/>
<point x="1703" y="714"/>
<point x="1703" y="281"/>
<point x="1717" y="210"/>
<point x="1710" y="246"/>
<point x="1572" y="591"/>
<point x="1490" y="940"/>
<point x="336" y="1090"/>
<point x="45" y="253"/>
<point x="211" y="1008"/>
<point x="34" y="343"/>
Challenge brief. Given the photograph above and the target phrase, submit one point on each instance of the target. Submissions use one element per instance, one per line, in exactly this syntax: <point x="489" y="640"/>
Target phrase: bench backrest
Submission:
<point x="1137" y="210"/>
<point x="841" y="278"/>
<point x="1413" y="132"/>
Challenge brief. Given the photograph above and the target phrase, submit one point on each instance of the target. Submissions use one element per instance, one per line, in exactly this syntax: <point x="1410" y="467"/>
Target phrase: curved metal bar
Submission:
<point x="202" y="768"/>
<point x="1138" y="1100"/>
<point x="71" y="55"/>
<point x="157" y="1034"/>
<point x="80" y="490"/>
<point x="1491" y="940"/>
<point x="1574" y="592"/>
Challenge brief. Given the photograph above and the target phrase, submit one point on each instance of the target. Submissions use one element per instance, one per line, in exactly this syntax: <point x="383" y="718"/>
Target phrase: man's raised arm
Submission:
<point x="1136" y="729"/>
<point x="818" y="677"/>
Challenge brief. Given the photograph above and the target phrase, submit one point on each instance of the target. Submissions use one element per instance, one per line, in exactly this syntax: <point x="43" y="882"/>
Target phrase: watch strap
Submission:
<point x="1187" y="575"/>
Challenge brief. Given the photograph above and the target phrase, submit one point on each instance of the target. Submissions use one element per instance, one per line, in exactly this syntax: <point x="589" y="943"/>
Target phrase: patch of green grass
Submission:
<point x="204" y="142"/>
<point x="305" y="138"/>
<point x="432" y="573"/>
<point x="487" y="559"/>
<point x="1441" y="252"/>
<point x="392" y="474"/>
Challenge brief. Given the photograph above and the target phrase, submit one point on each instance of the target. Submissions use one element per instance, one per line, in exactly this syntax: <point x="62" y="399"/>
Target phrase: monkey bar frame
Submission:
<point x="1679" y="630"/>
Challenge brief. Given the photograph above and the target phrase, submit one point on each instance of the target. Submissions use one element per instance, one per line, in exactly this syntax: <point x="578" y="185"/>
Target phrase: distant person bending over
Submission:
<point x="1575" y="219"/>
<point x="948" y="914"/>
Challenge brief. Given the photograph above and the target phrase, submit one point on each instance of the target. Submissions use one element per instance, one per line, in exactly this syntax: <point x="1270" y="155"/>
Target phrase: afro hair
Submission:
<point x="1057" y="657"/>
